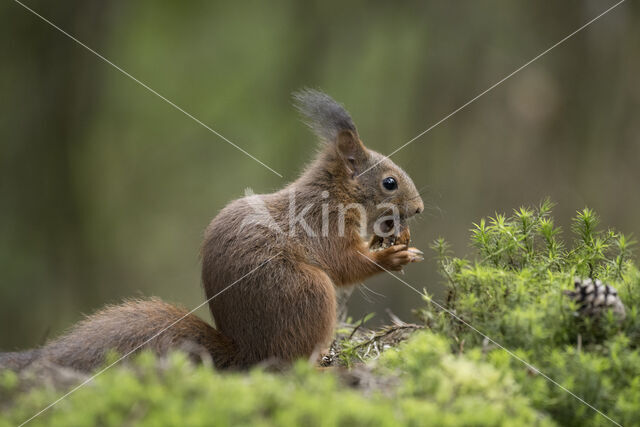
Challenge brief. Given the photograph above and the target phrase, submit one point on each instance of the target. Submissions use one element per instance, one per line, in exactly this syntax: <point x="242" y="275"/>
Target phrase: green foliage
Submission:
<point x="174" y="392"/>
<point x="468" y="391"/>
<point x="514" y="295"/>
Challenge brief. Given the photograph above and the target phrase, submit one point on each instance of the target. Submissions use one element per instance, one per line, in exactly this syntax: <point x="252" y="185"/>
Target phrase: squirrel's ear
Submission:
<point x="352" y="151"/>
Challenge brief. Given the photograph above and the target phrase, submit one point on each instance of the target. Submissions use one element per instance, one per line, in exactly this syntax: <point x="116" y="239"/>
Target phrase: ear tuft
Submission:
<point x="322" y="114"/>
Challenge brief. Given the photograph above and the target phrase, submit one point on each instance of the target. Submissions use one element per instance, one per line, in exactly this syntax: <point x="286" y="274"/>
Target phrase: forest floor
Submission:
<point x="536" y="330"/>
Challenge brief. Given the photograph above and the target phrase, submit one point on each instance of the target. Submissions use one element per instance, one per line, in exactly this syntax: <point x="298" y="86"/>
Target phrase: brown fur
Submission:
<point x="285" y="309"/>
<point x="124" y="328"/>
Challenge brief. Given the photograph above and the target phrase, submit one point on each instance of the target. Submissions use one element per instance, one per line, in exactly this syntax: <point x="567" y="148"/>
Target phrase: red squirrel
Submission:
<point x="270" y="263"/>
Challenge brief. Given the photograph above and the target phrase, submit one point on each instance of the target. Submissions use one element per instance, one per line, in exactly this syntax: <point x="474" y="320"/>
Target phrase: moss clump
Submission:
<point x="513" y="294"/>
<point x="460" y="390"/>
<point x="175" y="392"/>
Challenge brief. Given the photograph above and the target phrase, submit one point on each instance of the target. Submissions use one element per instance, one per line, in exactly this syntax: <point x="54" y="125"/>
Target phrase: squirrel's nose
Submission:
<point x="420" y="207"/>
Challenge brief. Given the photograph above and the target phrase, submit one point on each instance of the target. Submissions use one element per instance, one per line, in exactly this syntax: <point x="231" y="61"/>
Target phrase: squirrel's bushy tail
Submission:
<point x="18" y="360"/>
<point x="131" y="326"/>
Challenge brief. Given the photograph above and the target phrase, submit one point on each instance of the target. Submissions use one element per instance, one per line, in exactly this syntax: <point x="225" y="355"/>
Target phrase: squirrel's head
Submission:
<point x="364" y="176"/>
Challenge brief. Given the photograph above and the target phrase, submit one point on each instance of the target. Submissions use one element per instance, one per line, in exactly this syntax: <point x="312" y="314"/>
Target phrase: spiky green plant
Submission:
<point x="513" y="293"/>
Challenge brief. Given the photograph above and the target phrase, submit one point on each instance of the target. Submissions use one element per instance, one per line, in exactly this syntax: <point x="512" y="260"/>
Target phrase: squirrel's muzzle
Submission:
<point x="414" y="207"/>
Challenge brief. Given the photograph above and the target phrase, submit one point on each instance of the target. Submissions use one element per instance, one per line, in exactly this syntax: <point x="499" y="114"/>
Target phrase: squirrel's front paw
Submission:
<point x="395" y="257"/>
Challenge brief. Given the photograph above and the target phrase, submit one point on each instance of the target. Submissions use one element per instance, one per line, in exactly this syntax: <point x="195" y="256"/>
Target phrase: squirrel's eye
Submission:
<point x="390" y="183"/>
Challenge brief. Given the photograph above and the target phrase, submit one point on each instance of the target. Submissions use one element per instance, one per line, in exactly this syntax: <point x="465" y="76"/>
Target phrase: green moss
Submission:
<point x="175" y="392"/>
<point x="465" y="390"/>
<point x="513" y="293"/>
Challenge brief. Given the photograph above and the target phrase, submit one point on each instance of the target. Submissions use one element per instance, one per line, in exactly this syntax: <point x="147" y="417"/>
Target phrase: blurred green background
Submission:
<point x="105" y="189"/>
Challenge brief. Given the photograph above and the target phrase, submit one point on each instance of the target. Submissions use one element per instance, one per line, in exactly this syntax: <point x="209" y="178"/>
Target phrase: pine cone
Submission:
<point x="402" y="237"/>
<point x="596" y="297"/>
